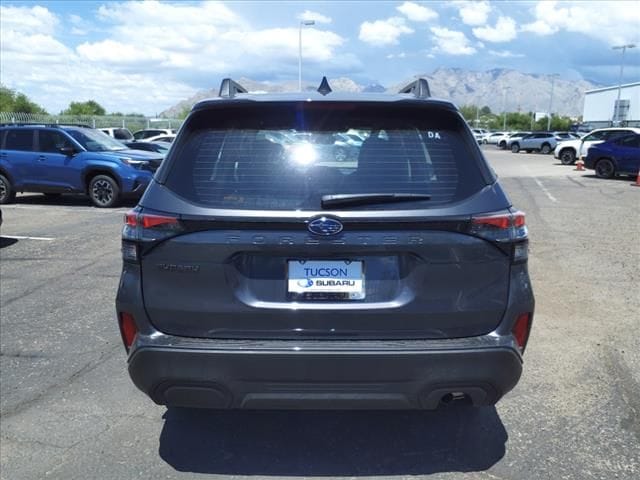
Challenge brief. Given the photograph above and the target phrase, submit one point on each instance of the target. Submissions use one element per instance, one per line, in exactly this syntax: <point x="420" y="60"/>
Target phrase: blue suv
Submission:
<point x="56" y="159"/>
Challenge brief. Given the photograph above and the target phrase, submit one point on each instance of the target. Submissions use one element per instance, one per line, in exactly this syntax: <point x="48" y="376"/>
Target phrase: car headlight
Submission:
<point x="132" y="162"/>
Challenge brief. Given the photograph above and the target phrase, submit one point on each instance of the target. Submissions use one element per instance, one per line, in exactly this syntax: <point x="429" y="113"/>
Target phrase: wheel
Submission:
<point x="104" y="191"/>
<point x="546" y="149"/>
<point x="7" y="193"/>
<point x="605" y="168"/>
<point x="484" y="142"/>
<point x="502" y="145"/>
<point x="515" y="148"/>
<point x="567" y="156"/>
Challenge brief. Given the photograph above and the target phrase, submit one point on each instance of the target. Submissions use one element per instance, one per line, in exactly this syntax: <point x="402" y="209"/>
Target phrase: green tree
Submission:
<point x="485" y="111"/>
<point x="11" y="101"/>
<point x="90" y="107"/>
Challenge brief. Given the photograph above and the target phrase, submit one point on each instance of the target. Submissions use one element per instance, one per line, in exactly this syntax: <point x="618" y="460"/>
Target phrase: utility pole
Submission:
<point x="624" y="49"/>
<point x="303" y="23"/>
<point x="504" y="110"/>
<point x="553" y="81"/>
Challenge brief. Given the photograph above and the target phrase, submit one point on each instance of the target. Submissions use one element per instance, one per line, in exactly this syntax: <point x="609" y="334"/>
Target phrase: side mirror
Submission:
<point x="68" y="151"/>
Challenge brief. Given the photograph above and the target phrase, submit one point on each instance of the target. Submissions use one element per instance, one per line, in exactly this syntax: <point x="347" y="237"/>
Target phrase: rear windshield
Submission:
<point x="287" y="156"/>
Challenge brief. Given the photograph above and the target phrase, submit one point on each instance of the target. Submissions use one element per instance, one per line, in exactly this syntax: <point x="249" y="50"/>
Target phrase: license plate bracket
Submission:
<point x="325" y="279"/>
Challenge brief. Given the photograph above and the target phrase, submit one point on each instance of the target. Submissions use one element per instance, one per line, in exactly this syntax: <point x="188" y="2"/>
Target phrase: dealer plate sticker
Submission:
<point x="330" y="276"/>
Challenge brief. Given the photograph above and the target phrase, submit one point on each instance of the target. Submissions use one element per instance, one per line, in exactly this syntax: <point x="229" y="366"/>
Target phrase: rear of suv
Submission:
<point x="259" y="271"/>
<point x="54" y="159"/>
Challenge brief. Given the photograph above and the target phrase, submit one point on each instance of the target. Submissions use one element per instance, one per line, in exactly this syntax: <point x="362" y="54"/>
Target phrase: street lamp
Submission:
<point x="553" y="82"/>
<point x="303" y="23"/>
<point x="624" y="49"/>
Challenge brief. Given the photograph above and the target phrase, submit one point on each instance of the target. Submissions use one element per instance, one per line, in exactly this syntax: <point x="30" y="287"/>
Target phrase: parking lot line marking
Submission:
<point x="544" y="189"/>
<point x="20" y="237"/>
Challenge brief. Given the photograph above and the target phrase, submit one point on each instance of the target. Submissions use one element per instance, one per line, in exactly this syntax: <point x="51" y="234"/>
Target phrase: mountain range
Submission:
<point x="499" y="89"/>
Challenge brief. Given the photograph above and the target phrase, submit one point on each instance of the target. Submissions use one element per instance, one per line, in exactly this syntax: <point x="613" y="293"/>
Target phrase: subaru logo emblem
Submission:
<point x="325" y="226"/>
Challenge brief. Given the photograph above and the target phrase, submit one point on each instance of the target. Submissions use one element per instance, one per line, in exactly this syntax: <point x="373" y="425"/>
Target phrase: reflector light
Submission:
<point x="521" y="329"/>
<point x="128" y="329"/>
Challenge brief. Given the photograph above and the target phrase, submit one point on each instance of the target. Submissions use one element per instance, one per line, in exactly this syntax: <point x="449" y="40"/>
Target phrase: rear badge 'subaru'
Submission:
<point x="325" y="226"/>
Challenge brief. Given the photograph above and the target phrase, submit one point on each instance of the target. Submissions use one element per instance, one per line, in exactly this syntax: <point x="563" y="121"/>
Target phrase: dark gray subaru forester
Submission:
<point x="325" y="250"/>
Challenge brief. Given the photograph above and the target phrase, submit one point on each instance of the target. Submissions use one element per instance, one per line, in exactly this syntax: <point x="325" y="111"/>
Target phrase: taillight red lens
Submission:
<point x="128" y="329"/>
<point x="152" y="221"/>
<point x="502" y="221"/>
<point x="146" y="220"/>
<point x="131" y="218"/>
<point x="521" y="330"/>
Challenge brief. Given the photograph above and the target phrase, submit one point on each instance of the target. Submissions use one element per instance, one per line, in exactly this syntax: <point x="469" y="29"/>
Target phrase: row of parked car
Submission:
<point x="57" y="159"/>
<point x="607" y="151"/>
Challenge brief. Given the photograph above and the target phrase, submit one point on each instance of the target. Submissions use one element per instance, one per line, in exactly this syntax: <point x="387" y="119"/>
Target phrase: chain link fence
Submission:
<point x="133" y="123"/>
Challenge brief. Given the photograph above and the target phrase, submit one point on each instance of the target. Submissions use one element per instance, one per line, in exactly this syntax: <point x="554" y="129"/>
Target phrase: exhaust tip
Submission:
<point x="457" y="398"/>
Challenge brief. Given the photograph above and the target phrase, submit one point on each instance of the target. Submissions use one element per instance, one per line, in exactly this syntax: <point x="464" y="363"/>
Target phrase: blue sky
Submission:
<point x="146" y="56"/>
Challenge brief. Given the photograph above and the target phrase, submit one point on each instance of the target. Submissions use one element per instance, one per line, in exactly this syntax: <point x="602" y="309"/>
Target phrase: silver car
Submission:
<point x="543" y="142"/>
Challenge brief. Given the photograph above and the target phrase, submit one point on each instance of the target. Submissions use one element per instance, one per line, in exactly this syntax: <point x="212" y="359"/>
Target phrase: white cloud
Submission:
<point x="152" y="61"/>
<point x="417" y="13"/>
<point x="473" y="13"/>
<point x="611" y="21"/>
<point x="505" y="54"/>
<point x="504" y="31"/>
<point x="384" y="32"/>
<point x="35" y="19"/>
<point x="315" y="16"/>
<point x="451" y="42"/>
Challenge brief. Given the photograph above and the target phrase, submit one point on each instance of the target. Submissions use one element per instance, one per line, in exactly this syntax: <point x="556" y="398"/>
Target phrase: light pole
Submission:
<point x="303" y="23"/>
<point x="624" y="49"/>
<point x="504" y="110"/>
<point x="553" y="82"/>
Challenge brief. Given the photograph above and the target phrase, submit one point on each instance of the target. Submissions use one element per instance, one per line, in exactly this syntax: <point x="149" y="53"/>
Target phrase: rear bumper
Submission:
<point x="176" y="371"/>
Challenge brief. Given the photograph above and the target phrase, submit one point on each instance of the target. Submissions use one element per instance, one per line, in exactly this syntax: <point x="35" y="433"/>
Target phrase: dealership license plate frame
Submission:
<point x="325" y="293"/>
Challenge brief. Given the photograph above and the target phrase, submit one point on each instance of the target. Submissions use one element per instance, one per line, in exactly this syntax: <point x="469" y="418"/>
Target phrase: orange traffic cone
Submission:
<point x="637" y="184"/>
<point x="580" y="165"/>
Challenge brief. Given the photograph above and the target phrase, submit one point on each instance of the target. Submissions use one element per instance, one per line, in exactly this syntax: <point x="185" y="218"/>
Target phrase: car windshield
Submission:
<point x="96" y="141"/>
<point x="284" y="158"/>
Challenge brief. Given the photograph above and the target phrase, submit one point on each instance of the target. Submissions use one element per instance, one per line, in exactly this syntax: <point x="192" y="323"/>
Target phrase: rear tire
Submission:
<point x="104" y="191"/>
<point x="567" y="156"/>
<point x="7" y="193"/>
<point x="502" y="145"/>
<point x="515" y="148"/>
<point x="546" y="149"/>
<point x="605" y="168"/>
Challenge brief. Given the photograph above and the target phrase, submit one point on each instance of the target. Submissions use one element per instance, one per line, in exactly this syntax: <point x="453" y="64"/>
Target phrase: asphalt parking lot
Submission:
<point x="68" y="409"/>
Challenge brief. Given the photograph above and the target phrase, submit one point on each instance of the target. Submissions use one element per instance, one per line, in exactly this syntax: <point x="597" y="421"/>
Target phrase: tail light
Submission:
<point x="128" y="329"/>
<point x="521" y="330"/>
<point x="142" y="228"/>
<point x="507" y="229"/>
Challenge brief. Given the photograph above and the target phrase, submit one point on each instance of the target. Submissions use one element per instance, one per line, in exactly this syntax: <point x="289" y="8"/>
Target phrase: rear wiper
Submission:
<point x="356" y="199"/>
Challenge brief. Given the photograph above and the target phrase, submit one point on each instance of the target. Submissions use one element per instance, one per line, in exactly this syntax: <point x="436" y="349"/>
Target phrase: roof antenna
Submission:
<point x="324" y="87"/>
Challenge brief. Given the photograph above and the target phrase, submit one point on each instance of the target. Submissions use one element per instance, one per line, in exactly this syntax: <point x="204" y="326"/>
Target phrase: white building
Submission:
<point x="600" y="106"/>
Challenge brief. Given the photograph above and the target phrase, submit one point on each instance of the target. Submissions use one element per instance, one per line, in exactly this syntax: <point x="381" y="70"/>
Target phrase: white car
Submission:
<point x="166" y="137"/>
<point x="122" y="134"/>
<point x="479" y="134"/>
<point x="152" y="132"/>
<point x="568" y="152"/>
<point x="493" y="137"/>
